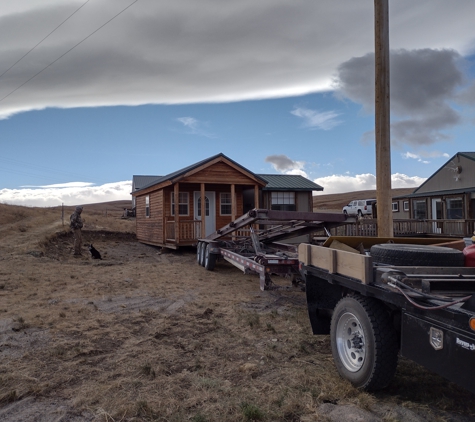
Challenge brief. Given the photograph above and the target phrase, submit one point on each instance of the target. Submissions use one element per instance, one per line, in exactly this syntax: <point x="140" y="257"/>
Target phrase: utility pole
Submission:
<point x="382" y="120"/>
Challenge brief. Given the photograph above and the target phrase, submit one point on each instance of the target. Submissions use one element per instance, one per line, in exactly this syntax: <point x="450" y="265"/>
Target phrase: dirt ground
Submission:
<point x="148" y="335"/>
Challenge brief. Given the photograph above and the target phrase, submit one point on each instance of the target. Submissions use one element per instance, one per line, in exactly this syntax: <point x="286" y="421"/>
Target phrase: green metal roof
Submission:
<point x="139" y="181"/>
<point x="276" y="182"/>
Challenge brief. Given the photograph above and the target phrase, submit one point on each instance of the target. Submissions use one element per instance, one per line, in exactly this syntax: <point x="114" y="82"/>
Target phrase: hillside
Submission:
<point x="335" y="202"/>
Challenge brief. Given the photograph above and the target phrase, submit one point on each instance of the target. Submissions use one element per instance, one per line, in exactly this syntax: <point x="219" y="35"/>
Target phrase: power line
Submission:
<point x="72" y="48"/>
<point x="26" y="54"/>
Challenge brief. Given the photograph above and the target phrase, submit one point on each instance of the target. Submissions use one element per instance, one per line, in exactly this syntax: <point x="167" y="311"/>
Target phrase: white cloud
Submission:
<point x="298" y="172"/>
<point x="399" y="180"/>
<point x="317" y="120"/>
<point x="194" y="127"/>
<point x="67" y="194"/>
<point x="62" y="185"/>
<point x="188" y="122"/>
<point x="171" y="52"/>
<point x="338" y="183"/>
<point x="422" y="156"/>
<point x="410" y="155"/>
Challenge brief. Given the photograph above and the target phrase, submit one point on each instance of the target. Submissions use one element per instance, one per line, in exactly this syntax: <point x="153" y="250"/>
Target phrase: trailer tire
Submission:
<point x="364" y="342"/>
<point x="202" y="253"/>
<point x="209" y="258"/>
<point x="417" y="255"/>
<point x="198" y="252"/>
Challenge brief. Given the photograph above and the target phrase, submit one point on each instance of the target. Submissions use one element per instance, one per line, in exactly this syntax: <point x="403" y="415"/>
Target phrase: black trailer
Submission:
<point x="409" y="299"/>
<point x="253" y="242"/>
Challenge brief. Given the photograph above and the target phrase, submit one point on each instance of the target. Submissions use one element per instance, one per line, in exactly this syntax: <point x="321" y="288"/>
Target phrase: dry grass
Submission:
<point x="150" y="336"/>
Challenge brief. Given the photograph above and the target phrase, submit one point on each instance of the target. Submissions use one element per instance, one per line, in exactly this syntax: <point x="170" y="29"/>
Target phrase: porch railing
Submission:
<point x="189" y="230"/>
<point x="368" y="227"/>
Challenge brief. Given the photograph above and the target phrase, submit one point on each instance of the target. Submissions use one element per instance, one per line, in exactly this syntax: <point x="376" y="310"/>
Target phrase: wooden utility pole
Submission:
<point x="382" y="121"/>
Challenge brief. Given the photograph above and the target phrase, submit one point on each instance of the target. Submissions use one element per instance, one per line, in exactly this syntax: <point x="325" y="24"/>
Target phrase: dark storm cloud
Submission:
<point x="423" y="85"/>
<point x="282" y="163"/>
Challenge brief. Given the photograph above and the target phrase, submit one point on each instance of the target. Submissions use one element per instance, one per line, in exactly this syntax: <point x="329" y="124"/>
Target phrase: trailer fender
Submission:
<point x="322" y="297"/>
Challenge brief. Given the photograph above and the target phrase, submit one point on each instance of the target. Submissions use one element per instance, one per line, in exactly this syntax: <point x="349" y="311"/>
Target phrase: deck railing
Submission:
<point x="189" y="230"/>
<point x="368" y="227"/>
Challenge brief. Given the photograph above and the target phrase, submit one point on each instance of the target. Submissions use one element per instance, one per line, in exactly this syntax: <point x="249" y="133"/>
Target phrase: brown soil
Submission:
<point x="146" y="334"/>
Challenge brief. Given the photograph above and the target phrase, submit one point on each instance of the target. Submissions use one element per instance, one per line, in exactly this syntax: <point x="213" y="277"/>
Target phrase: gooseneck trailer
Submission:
<point x="253" y="242"/>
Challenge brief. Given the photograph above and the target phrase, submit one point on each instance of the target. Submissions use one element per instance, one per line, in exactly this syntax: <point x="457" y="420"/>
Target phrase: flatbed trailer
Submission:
<point x="375" y="310"/>
<point x="253" y="242"/>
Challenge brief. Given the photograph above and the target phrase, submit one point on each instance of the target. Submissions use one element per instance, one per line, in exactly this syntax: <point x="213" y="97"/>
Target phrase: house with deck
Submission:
<point x="179" y="208"/>
<point x="444" y="203"/>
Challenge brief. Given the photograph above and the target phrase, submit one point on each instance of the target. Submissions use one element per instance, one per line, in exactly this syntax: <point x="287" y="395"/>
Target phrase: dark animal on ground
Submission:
<point x="94" y="252"/>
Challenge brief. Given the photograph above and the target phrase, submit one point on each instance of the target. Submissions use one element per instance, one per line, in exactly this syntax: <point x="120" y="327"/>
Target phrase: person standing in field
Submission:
<point x="76" y="224"/>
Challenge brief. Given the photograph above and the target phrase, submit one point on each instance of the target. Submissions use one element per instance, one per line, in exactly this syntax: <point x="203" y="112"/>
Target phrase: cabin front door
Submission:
<point x="210" y="220"/>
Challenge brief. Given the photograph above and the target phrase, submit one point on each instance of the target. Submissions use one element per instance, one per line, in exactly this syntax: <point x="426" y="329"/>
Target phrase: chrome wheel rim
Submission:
<point x="350" y="342"/>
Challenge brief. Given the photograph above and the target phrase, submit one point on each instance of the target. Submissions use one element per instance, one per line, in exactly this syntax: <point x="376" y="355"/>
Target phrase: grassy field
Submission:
<point x="148" y="335"/>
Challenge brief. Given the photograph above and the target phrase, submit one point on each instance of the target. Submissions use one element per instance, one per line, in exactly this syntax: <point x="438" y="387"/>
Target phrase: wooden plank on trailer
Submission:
<point x="355" y="266"/>
<point x="317" y="256"/>
<point x="334" y="261"/>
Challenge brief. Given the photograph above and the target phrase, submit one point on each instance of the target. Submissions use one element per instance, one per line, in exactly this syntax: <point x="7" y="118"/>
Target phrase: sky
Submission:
<point x="94" y="92"/>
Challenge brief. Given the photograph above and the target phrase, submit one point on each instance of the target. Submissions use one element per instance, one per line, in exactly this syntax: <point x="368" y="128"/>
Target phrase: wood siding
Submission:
<point x="219" y="173"/>
<point x="150" y="229"/>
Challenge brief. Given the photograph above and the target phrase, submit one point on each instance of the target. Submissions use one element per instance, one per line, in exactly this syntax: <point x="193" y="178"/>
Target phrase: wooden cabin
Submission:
<point x="169" y="208"/>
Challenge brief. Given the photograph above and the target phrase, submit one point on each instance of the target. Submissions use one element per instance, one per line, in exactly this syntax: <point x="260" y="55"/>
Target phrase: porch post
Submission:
<point x="233" y="202"/>
<point x="177" y="213"/>
<point x="256" y="196"/>
<point x="203" y="211"/>
<point x="233" y="207"/>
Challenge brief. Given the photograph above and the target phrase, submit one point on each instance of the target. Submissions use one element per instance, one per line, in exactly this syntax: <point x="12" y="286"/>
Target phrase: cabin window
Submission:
<point x="147" y="206"/>
<point x="183" y="203"/>
<point x="454" y="209"/>
<point x="420" y="210"/>
<point x="283" y="201"/>
<point x="395" y="206"/>
<point x="226" y="205"/>
<point x="198" y="206"/>
<point x="405" y="205"/>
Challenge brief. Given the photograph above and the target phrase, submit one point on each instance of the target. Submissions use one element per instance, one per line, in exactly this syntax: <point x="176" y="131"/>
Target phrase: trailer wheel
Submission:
<point x="209" y="259"/>
<point x="202" y="253"/>
<point x="198" y="252"/>
<point x="364" y="342"/>
<point x="418" y="255"/>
